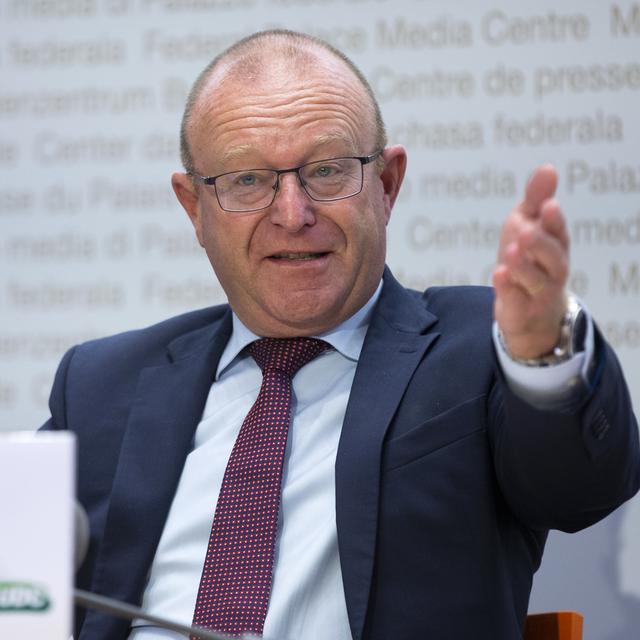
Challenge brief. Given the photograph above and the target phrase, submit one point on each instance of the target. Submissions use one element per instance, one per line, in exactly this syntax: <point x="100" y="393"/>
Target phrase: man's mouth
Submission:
<point x="297" y="256"/>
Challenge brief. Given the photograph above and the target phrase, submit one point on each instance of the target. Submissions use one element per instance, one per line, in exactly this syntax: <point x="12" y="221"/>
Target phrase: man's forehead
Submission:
<point x="253" y="124"/>
<point x="244" y="110"/>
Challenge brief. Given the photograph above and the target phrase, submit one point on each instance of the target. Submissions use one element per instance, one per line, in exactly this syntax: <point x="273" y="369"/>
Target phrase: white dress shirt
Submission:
<point x="307" y="596"/>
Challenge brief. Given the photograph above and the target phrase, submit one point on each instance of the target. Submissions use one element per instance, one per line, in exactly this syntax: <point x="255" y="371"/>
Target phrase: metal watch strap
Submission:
<point x="571" y="341"/>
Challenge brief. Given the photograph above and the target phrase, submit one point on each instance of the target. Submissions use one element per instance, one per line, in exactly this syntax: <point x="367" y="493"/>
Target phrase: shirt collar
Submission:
<point x="347" y="338"/>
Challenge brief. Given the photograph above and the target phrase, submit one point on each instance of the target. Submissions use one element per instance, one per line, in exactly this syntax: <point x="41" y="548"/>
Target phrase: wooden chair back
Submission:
<point x="557" y="625"/>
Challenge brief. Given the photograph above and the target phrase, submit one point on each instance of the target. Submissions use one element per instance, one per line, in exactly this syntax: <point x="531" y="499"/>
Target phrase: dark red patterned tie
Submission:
<point x="236" y="579"/>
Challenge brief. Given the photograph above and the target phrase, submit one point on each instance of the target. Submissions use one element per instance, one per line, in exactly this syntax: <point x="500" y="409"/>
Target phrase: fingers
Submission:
<point x="538" y="209"/>
<point x="543" y="242"/>
<point x="553" y="222"/>
<point x="508" y="293"/>
<point x="535" y="260"/>
<point x="524" y="273"/>
<point x="521" y="285"/>
<point x="535" y="249"/>
<point x="532" y="269"/>
<point x="546" y="250"/>
<point x="511" y="300"/>
<point x="541" y="186"/>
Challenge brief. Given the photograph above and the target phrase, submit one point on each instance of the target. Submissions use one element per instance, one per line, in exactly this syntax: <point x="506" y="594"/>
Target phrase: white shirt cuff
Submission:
<point x="547" y="386"/>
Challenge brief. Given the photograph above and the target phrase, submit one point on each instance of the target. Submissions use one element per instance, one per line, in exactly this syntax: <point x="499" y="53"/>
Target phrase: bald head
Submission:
<point x="270" y="53"/>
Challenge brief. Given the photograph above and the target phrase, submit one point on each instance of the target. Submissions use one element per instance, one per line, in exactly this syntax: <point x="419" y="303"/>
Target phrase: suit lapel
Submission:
<point x="396" y="342"/>
<point x="167" y="408"/>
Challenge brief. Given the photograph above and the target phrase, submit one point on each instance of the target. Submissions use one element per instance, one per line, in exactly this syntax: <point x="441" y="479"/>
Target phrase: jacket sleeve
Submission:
<point x="569" y="467"/>
<point x="57" y="398"/>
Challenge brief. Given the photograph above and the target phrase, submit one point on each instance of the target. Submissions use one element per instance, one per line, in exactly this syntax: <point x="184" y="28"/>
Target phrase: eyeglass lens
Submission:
<point x="324" y="180"/>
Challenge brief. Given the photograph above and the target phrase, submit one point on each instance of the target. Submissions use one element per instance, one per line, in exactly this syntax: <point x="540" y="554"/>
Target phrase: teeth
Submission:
<point x="296" y="256"/>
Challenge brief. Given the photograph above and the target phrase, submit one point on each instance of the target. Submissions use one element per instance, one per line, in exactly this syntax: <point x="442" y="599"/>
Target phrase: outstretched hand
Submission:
<point x="532" y="270"/>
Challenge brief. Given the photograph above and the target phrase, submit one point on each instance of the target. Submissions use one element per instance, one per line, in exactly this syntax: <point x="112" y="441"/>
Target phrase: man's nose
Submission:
<point x="292" y="208"/>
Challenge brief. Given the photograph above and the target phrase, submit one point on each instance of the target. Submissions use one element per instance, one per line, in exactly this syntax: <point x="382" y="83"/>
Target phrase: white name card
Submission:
<point x="37" y="481"/>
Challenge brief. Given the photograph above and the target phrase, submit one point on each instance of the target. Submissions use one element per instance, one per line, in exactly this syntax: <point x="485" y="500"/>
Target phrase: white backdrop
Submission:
<point x="92" y="241"/>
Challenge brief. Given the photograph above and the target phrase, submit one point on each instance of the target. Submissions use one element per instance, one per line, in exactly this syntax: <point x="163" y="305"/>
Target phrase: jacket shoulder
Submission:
<point x="108" y="368"/>
<point x="116" y="360"/>
<point x="156" y="336"/>
<point x="460" y="296"/>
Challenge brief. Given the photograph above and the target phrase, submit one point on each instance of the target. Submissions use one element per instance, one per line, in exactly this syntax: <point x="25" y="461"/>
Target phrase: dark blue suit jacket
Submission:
<point x="446" y="483"/>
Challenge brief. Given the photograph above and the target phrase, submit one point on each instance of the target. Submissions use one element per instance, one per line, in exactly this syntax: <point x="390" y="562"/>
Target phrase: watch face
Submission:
<point x="573" y="330"/>
<point x="579" y="332"/>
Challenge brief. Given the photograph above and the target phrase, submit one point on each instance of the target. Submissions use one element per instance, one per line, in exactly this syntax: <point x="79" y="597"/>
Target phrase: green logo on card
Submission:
<point x="23" y="596"/>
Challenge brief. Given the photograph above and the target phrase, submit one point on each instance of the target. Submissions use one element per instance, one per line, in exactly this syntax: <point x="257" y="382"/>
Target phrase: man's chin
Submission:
<point x="298" y="315"/>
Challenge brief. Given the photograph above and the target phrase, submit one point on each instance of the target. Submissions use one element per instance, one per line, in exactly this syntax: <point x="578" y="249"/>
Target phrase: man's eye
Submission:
<point x="247" y="180"/>
<point x="326" y="171"/>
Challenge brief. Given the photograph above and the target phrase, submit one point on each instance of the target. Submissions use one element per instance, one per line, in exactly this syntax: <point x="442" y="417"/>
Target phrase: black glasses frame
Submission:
<point x="211" y="180"/>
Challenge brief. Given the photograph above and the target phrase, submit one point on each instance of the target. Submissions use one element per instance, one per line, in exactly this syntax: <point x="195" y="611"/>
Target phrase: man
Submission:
<point x="421" y="473"/>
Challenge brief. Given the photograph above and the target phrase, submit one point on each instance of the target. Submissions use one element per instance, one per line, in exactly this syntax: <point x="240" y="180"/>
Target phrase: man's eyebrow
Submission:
<point x="333" y="137"/>
<point x="322" y="140"/>
<point x="236" y="152"/>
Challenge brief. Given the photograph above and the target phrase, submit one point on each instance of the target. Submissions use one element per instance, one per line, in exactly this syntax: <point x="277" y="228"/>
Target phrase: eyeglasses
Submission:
<point x="255" y="189"/>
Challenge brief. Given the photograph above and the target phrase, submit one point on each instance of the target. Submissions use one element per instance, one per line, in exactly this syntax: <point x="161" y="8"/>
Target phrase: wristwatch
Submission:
<point x="571" y="341"/>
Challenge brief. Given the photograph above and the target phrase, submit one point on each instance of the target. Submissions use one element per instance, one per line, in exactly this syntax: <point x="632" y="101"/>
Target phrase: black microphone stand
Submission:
<point x="89" y="600"/>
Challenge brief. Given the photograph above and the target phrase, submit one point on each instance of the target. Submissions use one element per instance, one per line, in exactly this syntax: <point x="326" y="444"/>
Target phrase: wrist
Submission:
<point x="570" y="340"/>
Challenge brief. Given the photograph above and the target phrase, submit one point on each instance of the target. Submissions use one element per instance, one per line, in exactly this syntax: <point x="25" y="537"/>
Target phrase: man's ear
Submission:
<point x="186" y="193"/>
<point x="395" y="164"/>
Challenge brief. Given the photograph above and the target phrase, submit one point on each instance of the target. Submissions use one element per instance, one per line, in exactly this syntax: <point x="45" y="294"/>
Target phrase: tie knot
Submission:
<point x="286" y="354"/>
